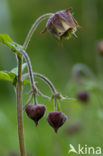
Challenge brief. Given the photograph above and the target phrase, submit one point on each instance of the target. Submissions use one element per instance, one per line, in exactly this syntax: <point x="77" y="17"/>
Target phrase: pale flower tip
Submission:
<point x="79" y="27"/>
<point x="76" y="37"/>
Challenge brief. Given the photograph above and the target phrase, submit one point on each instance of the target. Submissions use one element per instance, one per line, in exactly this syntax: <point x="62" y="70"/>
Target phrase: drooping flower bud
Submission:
<point x="35" y="112"/>
<point x="56" y="119"/>
<point x="83" y="96"/>
<point x="62" y="24"/>
<point x="99" y="47"/>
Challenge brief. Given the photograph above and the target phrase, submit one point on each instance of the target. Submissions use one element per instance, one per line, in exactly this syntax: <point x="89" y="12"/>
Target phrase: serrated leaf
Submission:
<point x="15" y="70"/>
<point x="4" y="76"/>
<point x="5" y="39"/>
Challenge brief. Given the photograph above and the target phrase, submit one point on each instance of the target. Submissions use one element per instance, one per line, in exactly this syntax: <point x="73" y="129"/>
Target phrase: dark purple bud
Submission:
<point x="83" y="96"/>
<point x="99" y="47"/>
<point x="62" y="24"/>
<point x="56" y="119"/>
<point x="35" y="112"/>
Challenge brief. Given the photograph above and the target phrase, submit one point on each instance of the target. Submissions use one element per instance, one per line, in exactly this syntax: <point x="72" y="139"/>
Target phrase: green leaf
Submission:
<point x="15" y="70"/>
<point x="24" y="65"/>
<point x="5" y="76"/>
<point x="5" y="39"/>
<point x="26" y="82"/>
<point x="12" y="76"/>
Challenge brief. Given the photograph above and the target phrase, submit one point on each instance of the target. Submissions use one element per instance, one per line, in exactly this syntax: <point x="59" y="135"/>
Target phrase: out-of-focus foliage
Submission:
<point x="48" y="58"/>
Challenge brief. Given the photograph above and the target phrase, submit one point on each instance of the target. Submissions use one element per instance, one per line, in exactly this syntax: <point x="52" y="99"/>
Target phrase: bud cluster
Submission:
<point x="36" y="112"/>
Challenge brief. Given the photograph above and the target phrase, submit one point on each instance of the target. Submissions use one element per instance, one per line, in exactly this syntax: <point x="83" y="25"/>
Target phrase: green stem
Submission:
<point x="33" y="28"/>
<point x="55" y="104"/>
<point x="19" y="108"/>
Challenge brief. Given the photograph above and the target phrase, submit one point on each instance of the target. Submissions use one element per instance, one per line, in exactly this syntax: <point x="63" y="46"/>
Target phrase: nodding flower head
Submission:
<point x="56" y="119"/>
<point x="35" y="112"/>
<point x="62" y="25"/>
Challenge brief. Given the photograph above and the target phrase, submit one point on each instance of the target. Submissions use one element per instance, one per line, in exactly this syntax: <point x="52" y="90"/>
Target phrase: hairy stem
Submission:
<point x="34" y="89"/>
<point x="33" y="28"/>
<point x="19" y="108"/>
<point x="44" y="78"/>
<point x="30" y="74"/>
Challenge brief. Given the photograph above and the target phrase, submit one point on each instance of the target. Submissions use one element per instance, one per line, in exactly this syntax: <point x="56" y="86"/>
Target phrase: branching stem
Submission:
<point x="50" y="84"/>
<point x="34" y="89"/>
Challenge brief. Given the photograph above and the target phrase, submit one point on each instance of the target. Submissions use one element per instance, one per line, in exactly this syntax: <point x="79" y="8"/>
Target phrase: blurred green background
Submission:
<point x="48" y="58"/>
